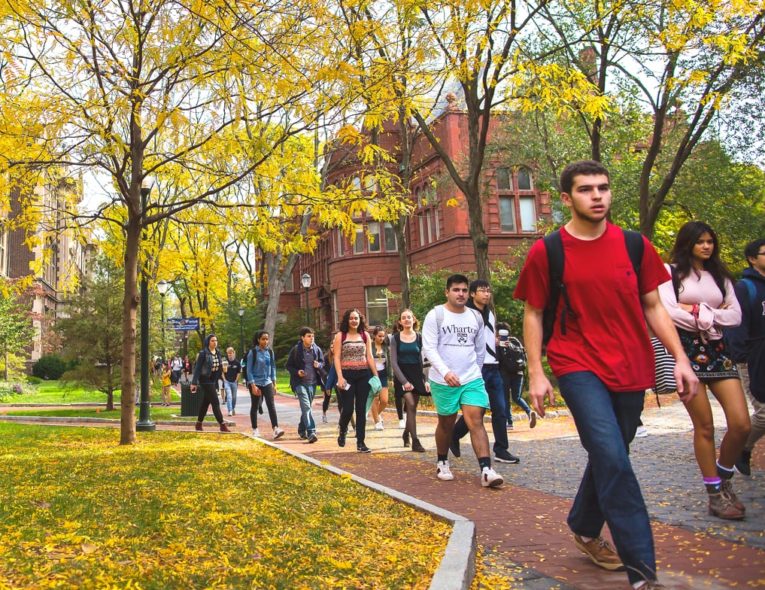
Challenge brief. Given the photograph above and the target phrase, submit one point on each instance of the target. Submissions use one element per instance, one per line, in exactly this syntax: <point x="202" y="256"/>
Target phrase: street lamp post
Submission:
<point x="305" y="280"/>
<point x="241" y="331"/>
<point x="163" y="287"/>
<point x="144" y="423"/>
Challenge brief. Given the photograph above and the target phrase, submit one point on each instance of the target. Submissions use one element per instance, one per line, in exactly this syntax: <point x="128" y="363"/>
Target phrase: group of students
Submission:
<point x="593" y="317"/>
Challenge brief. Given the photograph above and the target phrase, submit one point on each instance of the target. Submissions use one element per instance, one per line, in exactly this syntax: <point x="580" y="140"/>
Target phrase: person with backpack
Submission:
<point x="408" y="373"/>
<point x="354" y="366"/>
<point x="747" y="345"/>
<point x="479" y="299"/>
<point x="454" y="341"/>
<point x="701" y="301"/>
<point x="304" y="363"/>
<point x="512" y="363"/>
<point x="260" y="376"/>
<point x="591" y="292"/>
<point x="208" y="369"/>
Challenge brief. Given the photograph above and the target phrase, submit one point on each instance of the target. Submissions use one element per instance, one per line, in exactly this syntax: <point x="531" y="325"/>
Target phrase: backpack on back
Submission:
<point x="555" y="261"/>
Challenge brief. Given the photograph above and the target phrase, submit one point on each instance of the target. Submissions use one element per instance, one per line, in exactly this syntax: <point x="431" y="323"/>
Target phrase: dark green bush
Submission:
<point x="50" y="367"/>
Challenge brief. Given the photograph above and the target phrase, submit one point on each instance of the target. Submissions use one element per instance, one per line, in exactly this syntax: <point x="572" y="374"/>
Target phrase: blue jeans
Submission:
<point x="609" y="491"/>
<point x="231" y="389"/>
<point x="495" y="387"/>
<point x="305" y="395"/>
<point x="513" y="391"/>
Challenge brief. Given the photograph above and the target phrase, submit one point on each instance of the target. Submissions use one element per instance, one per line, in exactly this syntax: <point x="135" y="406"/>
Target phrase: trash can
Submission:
<point x="190" y="402"/>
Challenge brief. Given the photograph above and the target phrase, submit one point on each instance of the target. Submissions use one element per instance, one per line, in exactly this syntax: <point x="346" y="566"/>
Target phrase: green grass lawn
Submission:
<point x="157" y="412"/>
<point x="179" y="510"/>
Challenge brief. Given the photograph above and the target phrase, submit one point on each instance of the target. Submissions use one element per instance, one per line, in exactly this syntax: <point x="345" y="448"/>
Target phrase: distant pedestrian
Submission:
<point x="454" y="341"/>
<point x="166" y="385"/>
<point x="512" y="364"/>
<point x="701" y="300"/>
<point x="231" y="379"/>
<point x="747" y="344"/>
<point x="303" y="364"/>
<point x="376" y="403"/>
<point x="208" y="369"/>
<point x="479" y="299"/>
<point x="176" y="367"/>
<point x="260" y="376"/>
<point x="408" y="373"/>
<point x="584" y="277"/>
<point x="354" y="366"/>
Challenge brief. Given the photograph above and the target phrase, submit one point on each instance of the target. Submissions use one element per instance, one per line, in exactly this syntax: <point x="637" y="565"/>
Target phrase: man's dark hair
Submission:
<point x="456" y="279"/>
<point x="580" y="168"/>
<point x="478" y="284"/>
<point x="305" y="330"/>
<point x="753" y="249"/>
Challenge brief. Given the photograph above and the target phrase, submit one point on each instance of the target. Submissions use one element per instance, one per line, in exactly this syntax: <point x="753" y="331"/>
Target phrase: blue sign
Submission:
<point x="184" y="324"/>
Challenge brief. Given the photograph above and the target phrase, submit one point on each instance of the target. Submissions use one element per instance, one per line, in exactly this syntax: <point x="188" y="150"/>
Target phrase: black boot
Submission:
<point x="341" y="439"/>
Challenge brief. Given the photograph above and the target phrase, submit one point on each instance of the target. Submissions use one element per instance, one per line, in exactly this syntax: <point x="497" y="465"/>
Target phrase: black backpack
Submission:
<point x="554" y="247"/>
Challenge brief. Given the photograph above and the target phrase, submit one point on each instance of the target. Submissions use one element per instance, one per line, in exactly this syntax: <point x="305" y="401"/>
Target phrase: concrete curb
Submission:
<point x="457" y="568"/>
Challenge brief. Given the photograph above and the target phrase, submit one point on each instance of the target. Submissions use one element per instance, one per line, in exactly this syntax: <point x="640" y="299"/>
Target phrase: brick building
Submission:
<point x="359" y="273"/>
<point x="55" y="262"/>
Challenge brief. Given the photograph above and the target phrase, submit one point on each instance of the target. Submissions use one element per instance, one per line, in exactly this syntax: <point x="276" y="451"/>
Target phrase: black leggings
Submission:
<point x="411" y="398"/>
<point x="399" y="406"/>
<point x="356" y="395"/>
<point x="210" y="393"/>
<point x="256" y="403"/>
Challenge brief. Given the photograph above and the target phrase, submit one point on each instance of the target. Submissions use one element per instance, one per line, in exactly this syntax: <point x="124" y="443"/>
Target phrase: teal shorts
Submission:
<point x="448" y="400"/>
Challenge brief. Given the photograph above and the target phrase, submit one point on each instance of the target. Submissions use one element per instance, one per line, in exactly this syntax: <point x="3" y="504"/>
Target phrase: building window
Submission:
<point x="427" y="215"/>
<point x="373" y="236"/>
<point x="391" y="244"/>
<point x="340" y="243"/>
<point x="377" y="306"/>
<point x="524" y="179"/>
<point x="528" y="214"/>
<point x="289" y="284"/>
<point x="504" y="179"/>
<point x="335" y="311"/>
<point x="358" y="242"/>
<point x="507" y="214"/>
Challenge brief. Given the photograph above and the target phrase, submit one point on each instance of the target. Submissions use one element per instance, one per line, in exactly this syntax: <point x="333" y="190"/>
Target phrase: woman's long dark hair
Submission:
<point x="256" y="338"/>
<point x="682" y="253"/>
<point x="346" y="316"/>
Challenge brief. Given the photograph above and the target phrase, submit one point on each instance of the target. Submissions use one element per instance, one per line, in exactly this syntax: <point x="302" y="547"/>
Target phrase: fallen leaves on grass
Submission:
<point x="184" y="511"/>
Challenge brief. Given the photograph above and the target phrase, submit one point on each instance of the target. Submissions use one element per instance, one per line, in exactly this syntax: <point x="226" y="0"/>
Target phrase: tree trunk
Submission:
<point x="478" y="234"/>
<point x="403" y="260"/>
<point x="129" y="308"/>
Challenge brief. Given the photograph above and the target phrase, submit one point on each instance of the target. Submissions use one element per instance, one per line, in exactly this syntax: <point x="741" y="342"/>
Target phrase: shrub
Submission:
<point x="32" y="380"/>
<point x="50" y="367"/>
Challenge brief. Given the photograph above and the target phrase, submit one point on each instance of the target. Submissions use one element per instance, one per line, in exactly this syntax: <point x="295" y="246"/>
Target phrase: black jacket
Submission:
<point x="747" y="341"/>
<point x="203" y="368"/>
<point x="295" y="364"/>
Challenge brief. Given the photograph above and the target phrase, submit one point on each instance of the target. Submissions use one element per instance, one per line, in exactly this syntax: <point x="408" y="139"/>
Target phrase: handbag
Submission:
<point x="665" y="368"/>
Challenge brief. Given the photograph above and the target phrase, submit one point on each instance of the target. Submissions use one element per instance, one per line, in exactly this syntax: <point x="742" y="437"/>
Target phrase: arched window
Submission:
<point x="504" y="179"/>
<point x="524" y="179"/>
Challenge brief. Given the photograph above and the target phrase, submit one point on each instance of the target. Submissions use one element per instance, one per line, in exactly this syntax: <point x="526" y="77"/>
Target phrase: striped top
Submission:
<point x="353" y="356"/>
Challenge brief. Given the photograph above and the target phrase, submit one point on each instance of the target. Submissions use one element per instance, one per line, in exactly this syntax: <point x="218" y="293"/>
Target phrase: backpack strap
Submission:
<point x="751" y="290"/>
<point x="635" y="246"/>
<point x="554" y="249"/>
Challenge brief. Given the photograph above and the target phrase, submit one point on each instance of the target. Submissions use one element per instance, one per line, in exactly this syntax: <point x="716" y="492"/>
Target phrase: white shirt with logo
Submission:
<point x="459" y="347"/>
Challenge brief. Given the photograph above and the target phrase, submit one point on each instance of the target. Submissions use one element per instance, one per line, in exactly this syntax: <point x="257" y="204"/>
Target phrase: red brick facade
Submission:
<point x="346" y="274"/>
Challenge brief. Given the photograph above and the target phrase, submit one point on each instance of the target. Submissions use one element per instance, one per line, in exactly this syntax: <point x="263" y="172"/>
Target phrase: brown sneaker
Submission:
<point x="224" y="428"/>
<point x="727" y="490"/>
<point x="600" y="552"/>
<point x="721" y="506"/>
<point x="650" y="585"/>
<point x="198" y="426"/>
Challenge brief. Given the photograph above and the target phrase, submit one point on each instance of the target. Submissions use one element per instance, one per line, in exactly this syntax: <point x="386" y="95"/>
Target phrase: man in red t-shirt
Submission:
<point x="603" y="363"/>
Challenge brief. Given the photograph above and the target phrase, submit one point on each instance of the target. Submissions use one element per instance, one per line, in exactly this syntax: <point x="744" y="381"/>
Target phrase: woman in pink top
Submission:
<point x="701" y="301"/>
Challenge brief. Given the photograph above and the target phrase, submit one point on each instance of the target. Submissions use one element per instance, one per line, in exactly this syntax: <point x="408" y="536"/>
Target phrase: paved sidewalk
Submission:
<point x="522" y="525"/>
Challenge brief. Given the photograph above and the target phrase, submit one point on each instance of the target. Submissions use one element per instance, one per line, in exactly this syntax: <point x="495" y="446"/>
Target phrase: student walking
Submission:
<point x="600" y="299"/>
<point x="512" y="363"/>
<point x="303" y="364"/>
<point x="453" y="340"/>
<point x="166" y="384"/>
<point x="232" y="368"/>
<point x="376" y="403"/>
<point x="409" y="375"/>
<point x="208" y="369"/>
<point x="479" y="299"/>
<point x="701" y="301"/>
<point x="747" y="345"/>
<point x="354" y="366"/>
<point x="261" y="382"/>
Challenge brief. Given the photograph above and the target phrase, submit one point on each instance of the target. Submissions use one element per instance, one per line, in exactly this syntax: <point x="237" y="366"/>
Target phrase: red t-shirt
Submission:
<point x="608" y="334"/>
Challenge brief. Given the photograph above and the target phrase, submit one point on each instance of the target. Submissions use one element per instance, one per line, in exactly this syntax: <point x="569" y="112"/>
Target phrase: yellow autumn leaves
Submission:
<point x="185" y="511"/>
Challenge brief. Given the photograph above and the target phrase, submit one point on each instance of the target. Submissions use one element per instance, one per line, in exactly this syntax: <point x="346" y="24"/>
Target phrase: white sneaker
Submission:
<point x="324" y="419"/>
<point x="532" y="419"/>
<point x="402" y="423"/>
<point x="256" y="433"/>
<point x="490" y="478"/>
<point x="443" y="472"/>
<point x="379" y="426"/>
<point x="641" y="432"/>
<point x="278" y="433"/>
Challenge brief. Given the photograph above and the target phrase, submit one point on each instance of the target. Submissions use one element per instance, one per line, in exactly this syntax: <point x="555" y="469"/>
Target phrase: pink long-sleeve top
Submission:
<point x="699" y="288"/>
